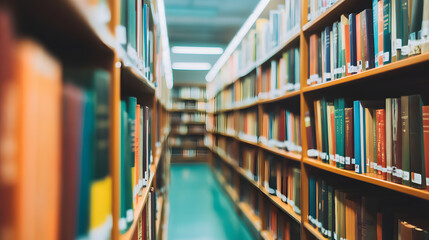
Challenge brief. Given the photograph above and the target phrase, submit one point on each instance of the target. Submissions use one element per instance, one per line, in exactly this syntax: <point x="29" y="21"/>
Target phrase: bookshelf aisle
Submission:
<point x="315" y="119"/>
<point x="90" y="80"/>
<point x="188" y="115"/>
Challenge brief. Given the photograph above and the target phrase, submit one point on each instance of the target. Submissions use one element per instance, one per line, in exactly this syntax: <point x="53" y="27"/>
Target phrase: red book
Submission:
<point x="381" y="142"/>
<point x="425" y="110"/>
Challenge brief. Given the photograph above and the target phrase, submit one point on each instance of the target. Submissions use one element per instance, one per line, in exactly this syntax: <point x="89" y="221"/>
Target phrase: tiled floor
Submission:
<point x="199" y="208"/>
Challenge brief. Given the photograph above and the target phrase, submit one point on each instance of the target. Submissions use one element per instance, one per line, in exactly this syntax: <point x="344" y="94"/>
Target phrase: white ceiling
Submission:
<point x="203" y="23"/>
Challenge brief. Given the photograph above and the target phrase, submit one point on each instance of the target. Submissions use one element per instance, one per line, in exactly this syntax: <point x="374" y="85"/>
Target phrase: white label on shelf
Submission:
<point x="427" y="181"/>
<point x="329" y="233"/>
<point x="327" y="75"/>
<point x="389" y="169"/>
<point x="353" y="161"/>
<point x="122" y="224"/>
<point x="416" y="178"/>
<point x="406" y="175"/>
<point x="278" y="194"/>
<point x="342" y="159"/>
<point x="297" y="86"/>
<point x="366" y="64"/>
<point x="386" y="56"/>
<point x="384" y="169"/>
<point x="371" y="165"/>
<point x="130" y="215"/>
<point x="312" y="152"/>
<point x="332" y="157"/>
<point x="322" y="155"/>
<point x="337" y="158"/>
<point x="398" y="43"/>
<point x="335" y="236"/>
<point x="405" y="50"/>
<point x="284" y="198"/>
<point x="319" y="224"/>
<point x="121" y="33"/>
<point x="347" y="160"/>
<point x="356" y="168"/>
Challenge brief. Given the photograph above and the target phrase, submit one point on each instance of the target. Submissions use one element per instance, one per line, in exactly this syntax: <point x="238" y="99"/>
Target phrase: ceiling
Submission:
<point x="203" y="23"/>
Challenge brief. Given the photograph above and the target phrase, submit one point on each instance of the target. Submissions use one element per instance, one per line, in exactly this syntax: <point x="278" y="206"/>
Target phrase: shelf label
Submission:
<point x="416" y="178"/>
<point x="347" y="160"/>
<point x="406" y="175"/>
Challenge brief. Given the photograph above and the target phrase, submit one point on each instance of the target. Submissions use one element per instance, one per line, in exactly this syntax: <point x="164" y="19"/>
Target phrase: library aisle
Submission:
<point x="199" y="209"/>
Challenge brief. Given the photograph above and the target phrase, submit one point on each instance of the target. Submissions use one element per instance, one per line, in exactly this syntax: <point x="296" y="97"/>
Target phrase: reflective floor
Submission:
<point x="199" y="209"/>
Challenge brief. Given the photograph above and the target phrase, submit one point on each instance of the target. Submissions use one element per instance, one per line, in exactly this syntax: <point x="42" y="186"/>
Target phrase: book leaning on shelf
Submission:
<point x="392" y="30"/>
<point x="346" y="213"/>
<point x="387" y="138"/>
<point x="135" y="157"/>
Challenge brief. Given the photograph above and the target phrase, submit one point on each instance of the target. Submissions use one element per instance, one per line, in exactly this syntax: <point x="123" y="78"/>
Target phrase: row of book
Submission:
<point x="242" y="92"/>
<point x="344" y="213"/>
<point x="54" y="144"/>
<point x="185" y="140"/>
<point x="281" y="77"/>
<point x="135" y="36"/>
<point x="281" y="129"/>
<point x="248" y="160"/>
<point x="283" y="180"/>
<point x="146" y="224"/>
<point x="317" y="7"/>
<point x="188" y="129"/>
<point x="260" y="41"/>
<point x="136" y="157"/>
<point x="189" y="105"/>
<point x="386" y="138"/>
<point x="248" y="127"/>
<point x="226" y="123"/>
<point x="188" y="92"/>
<point x="279" y="224"/>
<point x="177" y="117"/>
<point x="390" y="31"/>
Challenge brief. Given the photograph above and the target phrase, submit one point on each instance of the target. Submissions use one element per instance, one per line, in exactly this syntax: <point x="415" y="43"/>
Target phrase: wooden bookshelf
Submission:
<point x="401" y="77"/>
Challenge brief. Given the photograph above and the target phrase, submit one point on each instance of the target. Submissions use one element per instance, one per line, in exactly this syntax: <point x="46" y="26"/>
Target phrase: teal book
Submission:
<point x="340" y="133"/>
<point x="132" y="105"/>
<point x="375" y="29"/>
<point x="121" y="30"/>
<point x="312" y="201"/>
<point x="416" y="26"/>
<point x="331" y="213"/>
<point x="132" y="28"/>
<point x="296" y="65"/>
<point x="337" y="132"/>
<point x="325" y="139"/>
<point x="387" y="29"/>
<point x="124" y="139"/>
<point x="335" y="49"/>
<point x="87" y="158"/>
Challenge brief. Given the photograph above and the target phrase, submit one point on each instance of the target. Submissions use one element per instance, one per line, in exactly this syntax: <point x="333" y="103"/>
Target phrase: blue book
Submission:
<point x="146" y="39"/>
<point x="327" y="59"/>
<point x="356" y="120"/>
<point x="375" y="27"/>
<point x="312" y="200"/>
<point x="352" y="37"/>
<point x="335" y="48"/>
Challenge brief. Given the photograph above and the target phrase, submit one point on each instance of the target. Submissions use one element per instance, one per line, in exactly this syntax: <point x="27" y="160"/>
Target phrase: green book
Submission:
<point x="132" y="28"/>
<point x="297" y="80"/>
<point x="331" y="215"/>
<point x="405" y="140"/>
<point x="325" y="141"/>
<point x="337" y="133"/>
<point x="405" y="29"/>
<point x="341" y="135"/>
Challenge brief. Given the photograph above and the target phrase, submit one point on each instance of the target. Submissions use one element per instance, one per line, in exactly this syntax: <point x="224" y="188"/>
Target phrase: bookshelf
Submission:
<point x="84" y="35"/>
<point x="188" y="119"/>
<point x="224" y="124"/>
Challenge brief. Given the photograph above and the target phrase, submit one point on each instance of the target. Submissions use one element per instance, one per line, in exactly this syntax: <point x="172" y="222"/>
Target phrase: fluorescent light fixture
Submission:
<point x="166" y="61"/>
<point x="192" y="66"/>
<point x="237" y="39"/>
<point x="197" y="50"/>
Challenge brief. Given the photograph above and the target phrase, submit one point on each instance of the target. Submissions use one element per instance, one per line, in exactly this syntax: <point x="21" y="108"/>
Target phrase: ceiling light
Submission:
<point x="197" y="50"/>
<point x="192" y="66"/>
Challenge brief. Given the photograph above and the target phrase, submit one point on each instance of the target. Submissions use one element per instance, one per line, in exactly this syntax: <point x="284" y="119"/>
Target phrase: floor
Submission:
<point x="199" y="209"/>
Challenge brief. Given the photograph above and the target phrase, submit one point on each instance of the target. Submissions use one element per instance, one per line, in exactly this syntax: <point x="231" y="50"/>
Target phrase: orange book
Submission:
<point x="358" y="44"/>
<point x="274" y="221"/>
<point x="38" y="77"/>
<point x="379" y="226"/>
<point x="279" y="178"/>
<point x="268" y="80"/>
<point x="286" y="232"/>
<point x="259" y="79"/>
<point x="138" y="151"/>
<point x="318" y="119"/>
<point x="347" y="48"/>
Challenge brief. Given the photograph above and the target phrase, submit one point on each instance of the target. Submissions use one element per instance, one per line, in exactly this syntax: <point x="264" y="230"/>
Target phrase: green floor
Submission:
<point x="199" y="208"/>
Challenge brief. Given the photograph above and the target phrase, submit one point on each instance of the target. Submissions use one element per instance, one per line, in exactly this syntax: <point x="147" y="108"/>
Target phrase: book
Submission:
<point x="425" y="114"/>
<point x="388" y="138"/>
<point x="405" y="140"/>
<point x="387" y="30"/>
<point x="417" y="159"/>
<point x="381" y="143"/>
<point x="396" y="141"/>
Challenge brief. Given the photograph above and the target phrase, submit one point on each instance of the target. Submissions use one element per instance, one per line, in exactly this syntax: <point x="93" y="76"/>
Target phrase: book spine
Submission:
<point x="357" y="150"/>
<point x="369" y="54"/>
<point x="425" y="113"/>
<point x="388" y="139"/>
<point x="358" y="44"/>
<point x="375" y="29"/>
<point x="328" y="56"/>
<point x="352" y="39"/>
<point x="405" y="140"/>
<point x="380" y="33"/>
<point x="417" y="162"/>
<point x="387" y="25"/>
<point x="396" y="141"/>
<point x="381" y="143"/>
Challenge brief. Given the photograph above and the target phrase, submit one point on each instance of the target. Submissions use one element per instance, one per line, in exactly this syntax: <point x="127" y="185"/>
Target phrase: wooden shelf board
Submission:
<point x="372" y="72"/>
<point x="141" y="201"/>
<point x="253" y="218"/>
<point x="283" y="97"/>
<point x="319" y="21"/>
<point x="187" y="123"/>
<point x="314" y="231"/>
<point x="280" y="152"/>
<point x="420" y="193"/>
<point x="283" y="206"/>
